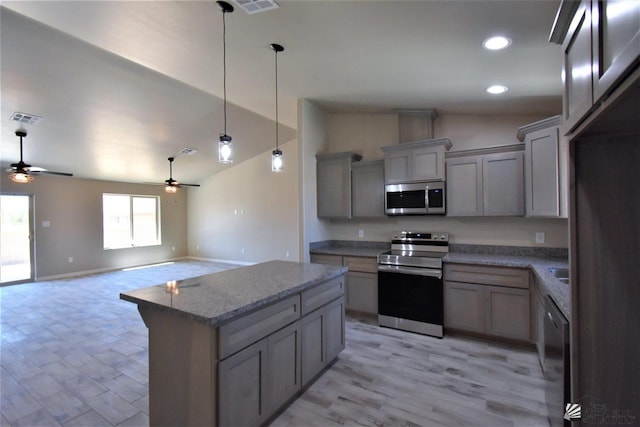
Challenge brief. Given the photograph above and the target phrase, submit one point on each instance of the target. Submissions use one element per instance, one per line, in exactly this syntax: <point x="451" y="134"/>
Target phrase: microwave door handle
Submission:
<point x="426" y="198"/>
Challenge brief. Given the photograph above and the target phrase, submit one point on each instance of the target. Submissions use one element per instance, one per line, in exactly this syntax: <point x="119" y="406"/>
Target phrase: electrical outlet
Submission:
<point x="70" y="260"/>
<point x="173" y="248"/>
<point x="242" y="250"/>
<point x="361" y="233"/>
<point x="286" y="254"/>
<point x="539" y="237"/>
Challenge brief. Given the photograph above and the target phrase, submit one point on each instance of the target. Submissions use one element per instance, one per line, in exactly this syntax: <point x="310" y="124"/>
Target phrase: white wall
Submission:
<point x="247" y="213"/>
<point x="73" y="208"/>
<point x="312" y="134"/>
<point x="365" y="133"/>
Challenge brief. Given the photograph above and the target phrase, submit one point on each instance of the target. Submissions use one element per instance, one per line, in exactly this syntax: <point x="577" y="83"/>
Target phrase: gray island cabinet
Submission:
<point x="233" y="347"/>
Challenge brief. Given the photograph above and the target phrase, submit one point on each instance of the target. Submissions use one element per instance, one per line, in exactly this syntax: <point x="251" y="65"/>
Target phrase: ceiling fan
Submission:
<point x="171" y="185"/>
<point x="22" y="172"/>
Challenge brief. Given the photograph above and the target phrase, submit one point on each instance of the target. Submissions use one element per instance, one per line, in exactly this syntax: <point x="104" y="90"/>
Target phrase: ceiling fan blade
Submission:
<point x="188" y="185"/>
<point x="37" y="172"/>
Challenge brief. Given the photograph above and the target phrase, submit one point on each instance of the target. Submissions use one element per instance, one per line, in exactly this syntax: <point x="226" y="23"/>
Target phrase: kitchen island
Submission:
<point x="233" y="347"/>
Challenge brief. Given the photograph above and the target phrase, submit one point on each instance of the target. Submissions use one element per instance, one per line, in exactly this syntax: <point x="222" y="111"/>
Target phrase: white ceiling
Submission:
<point x="123" y="85"/>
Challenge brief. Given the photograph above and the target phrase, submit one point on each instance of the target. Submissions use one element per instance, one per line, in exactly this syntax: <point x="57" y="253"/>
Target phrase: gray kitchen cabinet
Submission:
<point x="464" y="186"/>
<point x="243" y="387"/>
<point x="361" y="287"/>
<point x="503" y="184"/>
<point x="616" y="34"/>
<point x="284" y="378"/>
<point x="486" y="182"/>
<point x="259" y="379"/>
<point x="540" y="313"/>
<point x="415" y="161"/>
<point x="464" y="306"/>
<point x="323" y="338"/>
<point x="545" y="168"/>
<point x="492" y="301"/>
<point x="578" y="89"/>
<point x="333" y="182"/>
<point x="508" y="313"/>
<point x="601" y="46"/>
<point x="367" y="180"/>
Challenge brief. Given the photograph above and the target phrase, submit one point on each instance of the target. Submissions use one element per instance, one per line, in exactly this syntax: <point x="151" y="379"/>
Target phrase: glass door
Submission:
<point x="16" y="245"/>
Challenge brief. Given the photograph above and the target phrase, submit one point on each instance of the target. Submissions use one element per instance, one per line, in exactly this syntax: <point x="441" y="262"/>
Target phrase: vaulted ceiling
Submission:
<point x="123" y="85"/>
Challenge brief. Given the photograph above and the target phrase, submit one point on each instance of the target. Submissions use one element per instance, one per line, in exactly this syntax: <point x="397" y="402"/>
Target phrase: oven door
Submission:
<point x="411" y="299"/>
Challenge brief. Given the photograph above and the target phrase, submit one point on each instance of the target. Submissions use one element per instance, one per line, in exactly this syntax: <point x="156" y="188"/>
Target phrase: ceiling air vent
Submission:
<point x="187" y="151"/>
<point x="256" y="6"/>
<point x="30" y="119"/>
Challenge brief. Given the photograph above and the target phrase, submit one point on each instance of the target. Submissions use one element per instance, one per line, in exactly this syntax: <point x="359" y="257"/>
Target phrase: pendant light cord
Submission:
<point x="224" y="66"/>
<point x="277" y="122"/>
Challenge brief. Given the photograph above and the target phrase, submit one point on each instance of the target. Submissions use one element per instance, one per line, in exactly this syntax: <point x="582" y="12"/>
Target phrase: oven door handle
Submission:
<point x="408" y="270"/>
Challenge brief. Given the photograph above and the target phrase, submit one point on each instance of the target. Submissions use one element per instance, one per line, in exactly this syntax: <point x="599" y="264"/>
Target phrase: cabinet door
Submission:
<point x="242" y="387"/>
<point x="334" y="338"/>
<point x="578" y="91"/>
<point x="313" y="346"/>
<point x="503" y="184"/>
<point x="540" y="313"/>
<point x="362" y="292"/>
<point x="334" y="187"/>
<point x="542" y="181"/>
<point x="616" y="42"/>
<point x="507" y="312"/>
<point x="464" y="306"/>
<point x="283" y="366"/>
<point x="427" y="164"/>
<point x="397" y="167"/>
<point x="367" y="180"/>
<point x="464" y="186"/>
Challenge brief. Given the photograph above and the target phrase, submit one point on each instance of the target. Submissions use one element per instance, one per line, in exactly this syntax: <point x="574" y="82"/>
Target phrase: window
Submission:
<point x="129" y="221"/>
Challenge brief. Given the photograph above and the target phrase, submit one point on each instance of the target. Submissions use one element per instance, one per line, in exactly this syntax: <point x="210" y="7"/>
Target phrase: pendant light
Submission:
<point x="276" y="156"/>
<point x="225" y="146"/>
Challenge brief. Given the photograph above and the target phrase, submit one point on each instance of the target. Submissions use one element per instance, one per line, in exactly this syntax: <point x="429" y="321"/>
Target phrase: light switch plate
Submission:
<point x="539" y="237"/>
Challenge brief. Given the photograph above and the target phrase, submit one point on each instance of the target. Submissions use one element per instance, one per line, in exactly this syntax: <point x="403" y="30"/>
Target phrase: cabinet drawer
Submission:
<point x="486" y="275"/>
<point x="322" y="294"/>
<point x="361" y="264"/>
<point x="326" y="259"/>
<point x="240" y="333"/>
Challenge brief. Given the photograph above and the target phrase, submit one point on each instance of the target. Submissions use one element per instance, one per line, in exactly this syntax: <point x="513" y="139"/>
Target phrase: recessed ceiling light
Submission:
<point x="496" y="43"/>
<point x="497" y="89"/>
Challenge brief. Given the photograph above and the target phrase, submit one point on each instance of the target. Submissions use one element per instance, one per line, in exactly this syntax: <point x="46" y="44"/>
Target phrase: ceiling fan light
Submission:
<point x="276" y="161"/>
<point x="225" y="149"/>
<point x="171" y="189"/>
<point x="21" y="177"/>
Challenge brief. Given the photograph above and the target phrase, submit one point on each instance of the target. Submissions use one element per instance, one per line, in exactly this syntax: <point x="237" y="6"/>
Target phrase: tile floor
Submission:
<point x="73" y="354"/>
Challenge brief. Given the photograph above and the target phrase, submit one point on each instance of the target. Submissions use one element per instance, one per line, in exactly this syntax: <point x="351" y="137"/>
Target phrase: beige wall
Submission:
<point x="73" y="208"/>
<point x="312" y="133"/>
<point x="247" y="213"/>
<point x="365" y="133"/>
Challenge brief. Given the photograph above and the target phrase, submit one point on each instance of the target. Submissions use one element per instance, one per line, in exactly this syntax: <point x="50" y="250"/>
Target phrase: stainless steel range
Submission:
<point x="410" y="285"/>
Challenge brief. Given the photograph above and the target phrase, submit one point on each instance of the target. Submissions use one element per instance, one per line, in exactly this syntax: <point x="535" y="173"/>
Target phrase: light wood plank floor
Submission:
<point x="73" y="354"/>
<point x="387" y="377"/>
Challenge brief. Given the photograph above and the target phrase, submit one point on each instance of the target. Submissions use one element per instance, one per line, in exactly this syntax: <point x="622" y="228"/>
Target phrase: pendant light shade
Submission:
<point x="225" y="147"/>
<point x="277" y="161"/>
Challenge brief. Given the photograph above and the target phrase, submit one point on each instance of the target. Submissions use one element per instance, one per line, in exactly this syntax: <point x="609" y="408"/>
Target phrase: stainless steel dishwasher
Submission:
<point x="556" y="363"/>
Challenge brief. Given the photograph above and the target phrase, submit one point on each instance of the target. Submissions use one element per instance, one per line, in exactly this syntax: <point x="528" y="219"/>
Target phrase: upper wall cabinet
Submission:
<point x="601" y="46"/>
<point x="333" y="180"/>
<point x="545" y="168"/>
<point x="415" y="161"/>
<point x="367" y="186"/>
<point x="486" y="182"/>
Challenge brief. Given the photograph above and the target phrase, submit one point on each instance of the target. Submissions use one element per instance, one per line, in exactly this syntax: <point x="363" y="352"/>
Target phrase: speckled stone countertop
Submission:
<point x="538" y="259"/>
<point x="349" y="248"/>
<point x="217" y="297"/>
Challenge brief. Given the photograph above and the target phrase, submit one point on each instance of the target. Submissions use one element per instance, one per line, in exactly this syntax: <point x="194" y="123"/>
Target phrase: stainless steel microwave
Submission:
<point x="416" y="198"/>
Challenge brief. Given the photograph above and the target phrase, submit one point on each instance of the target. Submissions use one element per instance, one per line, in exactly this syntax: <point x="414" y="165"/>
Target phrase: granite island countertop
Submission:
<point x="539" y="260"/>
<point x="215" y="298"/>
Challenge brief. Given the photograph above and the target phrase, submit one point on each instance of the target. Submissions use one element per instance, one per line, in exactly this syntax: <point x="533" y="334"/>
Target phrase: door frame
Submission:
<point x="32" y="251"/>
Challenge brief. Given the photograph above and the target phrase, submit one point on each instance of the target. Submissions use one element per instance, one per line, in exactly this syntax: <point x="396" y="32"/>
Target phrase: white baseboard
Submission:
<point x="100" y="270"/>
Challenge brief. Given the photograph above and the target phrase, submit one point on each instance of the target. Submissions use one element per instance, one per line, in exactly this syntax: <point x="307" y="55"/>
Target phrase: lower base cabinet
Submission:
<point x="362" y="292"/>
<point x="496" y="304"/>
<point x="322" y="338"/>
